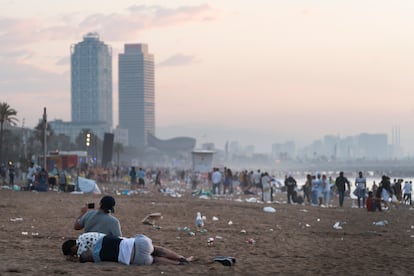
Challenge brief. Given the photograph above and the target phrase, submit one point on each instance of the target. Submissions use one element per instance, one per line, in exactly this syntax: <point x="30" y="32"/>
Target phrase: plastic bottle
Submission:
<point x="199" y="221"/>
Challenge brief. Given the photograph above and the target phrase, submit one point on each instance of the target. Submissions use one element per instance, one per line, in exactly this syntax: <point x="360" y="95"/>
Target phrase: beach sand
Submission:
<point x="295" y="240"/>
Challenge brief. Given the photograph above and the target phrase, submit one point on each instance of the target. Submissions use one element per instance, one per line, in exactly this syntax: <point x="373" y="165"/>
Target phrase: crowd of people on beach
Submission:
<point x="317" y="189"/>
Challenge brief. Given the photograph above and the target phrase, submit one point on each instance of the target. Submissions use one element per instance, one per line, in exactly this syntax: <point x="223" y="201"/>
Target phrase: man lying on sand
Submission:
<point x="139" y="250"/>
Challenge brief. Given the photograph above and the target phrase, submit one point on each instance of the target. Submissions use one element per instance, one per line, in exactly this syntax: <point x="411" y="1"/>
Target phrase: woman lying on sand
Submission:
<point x="139" y="250"/>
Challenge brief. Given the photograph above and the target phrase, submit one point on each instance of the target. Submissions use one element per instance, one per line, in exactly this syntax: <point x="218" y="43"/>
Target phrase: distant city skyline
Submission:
<point x="264" y="73"/>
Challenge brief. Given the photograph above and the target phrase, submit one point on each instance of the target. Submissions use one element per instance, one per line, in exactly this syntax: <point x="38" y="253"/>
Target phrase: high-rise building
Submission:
<point x="137" y="93"/>
<point x="91" y="82"/>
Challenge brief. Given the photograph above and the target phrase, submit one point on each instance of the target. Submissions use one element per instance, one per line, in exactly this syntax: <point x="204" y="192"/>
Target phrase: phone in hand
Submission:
<point x="91" y="205"/>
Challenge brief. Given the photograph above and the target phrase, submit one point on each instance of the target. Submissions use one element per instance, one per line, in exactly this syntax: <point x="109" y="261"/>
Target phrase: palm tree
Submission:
<point x="7" y="115"/>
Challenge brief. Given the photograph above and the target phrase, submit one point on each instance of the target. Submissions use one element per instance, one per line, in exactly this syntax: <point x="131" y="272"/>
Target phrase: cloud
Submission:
<point x="18" y="78"/>
<point x="19" y="34"/>
<point x="117" y="27"/>
<point x="63" y="61"/>
<point x="178" y="60"/>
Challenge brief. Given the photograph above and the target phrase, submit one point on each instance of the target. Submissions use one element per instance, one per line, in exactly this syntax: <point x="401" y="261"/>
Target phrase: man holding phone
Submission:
<point x="100" y="220"/>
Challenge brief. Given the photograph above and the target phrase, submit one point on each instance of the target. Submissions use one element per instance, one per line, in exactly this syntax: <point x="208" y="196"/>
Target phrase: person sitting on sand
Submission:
<point x="99" y="220"/>
<point x="139" y="250"/>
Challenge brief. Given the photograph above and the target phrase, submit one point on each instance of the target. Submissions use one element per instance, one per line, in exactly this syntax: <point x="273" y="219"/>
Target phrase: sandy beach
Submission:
<point x="295" y="240"/>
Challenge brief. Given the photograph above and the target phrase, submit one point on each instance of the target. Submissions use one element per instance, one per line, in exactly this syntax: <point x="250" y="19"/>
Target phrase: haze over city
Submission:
<point x="257" y="73"/>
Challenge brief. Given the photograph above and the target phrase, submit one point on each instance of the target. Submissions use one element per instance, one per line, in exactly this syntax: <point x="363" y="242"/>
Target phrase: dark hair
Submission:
<point x="107" y="204"/>
<point x="67" y="247"/>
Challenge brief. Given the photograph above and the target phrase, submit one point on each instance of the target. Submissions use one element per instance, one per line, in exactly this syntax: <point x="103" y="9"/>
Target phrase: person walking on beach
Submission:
<point x="99" y="220"/>
<point x="407" y="192"/>
<point x="398" y="189"/>
<point x="326" y="190"/>
<point x="361" y="185"/>
<point x="340" y="183"/>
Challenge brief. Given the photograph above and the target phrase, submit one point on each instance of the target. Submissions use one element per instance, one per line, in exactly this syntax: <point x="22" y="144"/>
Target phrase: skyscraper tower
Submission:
<point x="137" y="93"/>
<point x="91" y="81"/>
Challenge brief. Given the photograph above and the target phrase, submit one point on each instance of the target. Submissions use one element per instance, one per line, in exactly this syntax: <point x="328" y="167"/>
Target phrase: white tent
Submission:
<point x="88" y="185"/>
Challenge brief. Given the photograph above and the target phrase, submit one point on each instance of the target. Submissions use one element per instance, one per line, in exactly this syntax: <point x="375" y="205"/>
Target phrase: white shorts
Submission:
<point x="143" y="250"/>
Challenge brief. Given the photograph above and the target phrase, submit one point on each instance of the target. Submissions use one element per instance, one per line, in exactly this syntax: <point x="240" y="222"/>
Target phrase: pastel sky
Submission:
<point x="257" y="72"/>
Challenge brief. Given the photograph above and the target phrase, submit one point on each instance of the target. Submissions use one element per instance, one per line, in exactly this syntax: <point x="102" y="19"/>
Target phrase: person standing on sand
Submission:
<point x="133" y="177"/>
<point x="216" y="180"/>
<point x="265" y="180"/>
<point x="316" y="182"/>
<point x="99" y="220"/>
<point x="361" y="185"/>
<point x="290" y="184"/>
<point x="141" y="178"/>
<point x="31" y="172"/>
<point x="228" y="181"/>
<point x="340" y="183"/>
<point x="307" y="188"/>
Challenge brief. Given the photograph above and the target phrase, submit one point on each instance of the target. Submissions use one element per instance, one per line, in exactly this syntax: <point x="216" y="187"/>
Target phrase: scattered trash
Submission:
<point x="307" y="225"/>
<point x="210" y="241"/>
<point x="16" y="219"/>
<point x="35" y="234"/>
<point x="152" y="218"/>
<point x="215" y="218"/>
<point x="191" y="234"/>
<point x="204" y="197"/>
<point x="251" y="200"/>
<point x="219" y="237"/>
<point x="303" y="210"/>
<point x="203" y="231"/>
<point x="269" y="209"/>
<point x="230" y="222"/>
<point x="251" y="241"/>
<point x="157" y="227"/>
<point x="170" y="192"/>
<point x="271" y="230"/>
<point x="225" y="260"/>
<point x="337" y="225"/>
<point x="318" y="219"/>
<point x="380" y="223"/>
<point x="25" y="233"/>
<point x="243" y="231"/>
